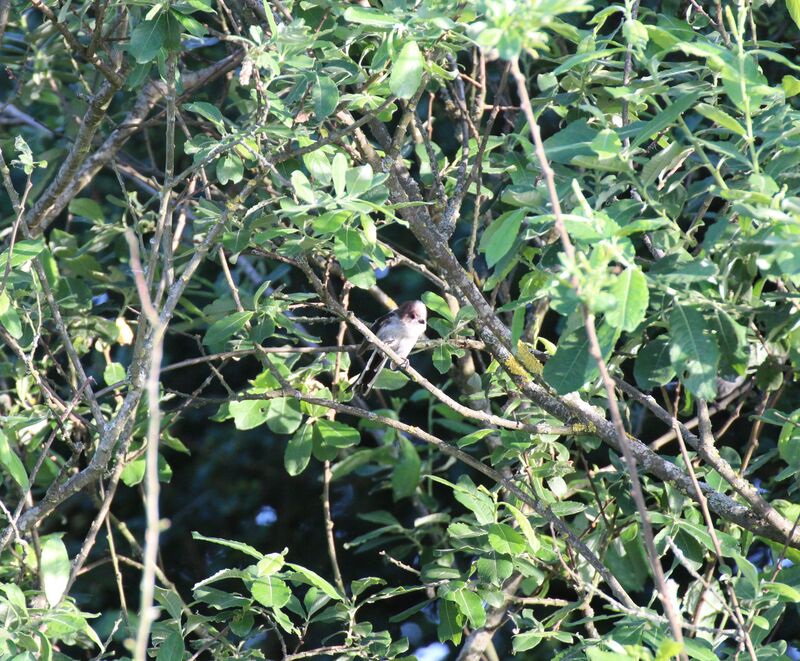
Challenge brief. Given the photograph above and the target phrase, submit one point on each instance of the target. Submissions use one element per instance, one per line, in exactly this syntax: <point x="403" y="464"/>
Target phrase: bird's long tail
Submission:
<point x="374" y="365"/>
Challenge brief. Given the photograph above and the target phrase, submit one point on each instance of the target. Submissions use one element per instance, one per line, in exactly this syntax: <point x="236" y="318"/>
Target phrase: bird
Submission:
<point x="400" y="329"/>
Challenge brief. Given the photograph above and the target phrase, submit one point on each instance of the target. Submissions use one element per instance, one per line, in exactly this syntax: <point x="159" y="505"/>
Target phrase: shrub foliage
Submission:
<point x="593" y="454"/>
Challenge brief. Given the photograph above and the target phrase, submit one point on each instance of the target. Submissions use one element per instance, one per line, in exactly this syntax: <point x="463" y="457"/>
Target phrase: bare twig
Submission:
<point x="159" y="326"/>
<point x="707" y="438"/>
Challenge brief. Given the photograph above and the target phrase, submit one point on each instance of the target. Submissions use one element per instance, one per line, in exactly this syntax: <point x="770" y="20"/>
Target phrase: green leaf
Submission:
<point x="442" y="358"/>
<point x="283" y="621"/>
<point x="54" y="569"/>
<point x="657" y="166"/>
<point x="24" y="252"/>
<point x="338" y="174"/>
<point x="302" y="187"/>
<point x="720" y="117"/>
<point x="269" y="564"/>
<point x="230" y="169"/>
<point x="147" y="39"/>
<point x="206" y="110"/>
<point x="693" y="352"/>
<point x="271" y="591"/>
<point x="361" y="274"/>
<point x="499" y="237"/>
<point x="12" y="463"/>
<point x="789" y="440"/>
<point x="573" y="140"/>
<point x="390" y="380"/>
<point x="606" y="144"/>
<point x="88" y="208"/>
<point x="298" y="450"/>
<point x="635" y="33"/>
<point x="527" y="640"/>
<point x="653" y="367"/>
<point x="238" y="546"/>
<point x="333" y="433"/>
<point x="284" y="415"/>
<point x="223" y="328"/>
<point x="785" y="592"/>
<point x="794" y="10"/>
<point x="189" y="24"/>
<point x="572" y="366"/>
<point x="407" y="71"/>
<point x="242" y="624"/>
<point x="530" y="639"/>
<point x="405" y="476"/>
<point x="9" y="317"/>
<point x="504" y="539"/>
<point x="699" y="649"/>
<point x="585" y="56"/>
<point x="668" y="649"/>
<point x="474" y="437"/>
<point x="319" y="166"/>
<point x="437" y="304"/>
<point x="525" y="527"/>
<point x="330" y="221"/>
<point x="470" y="605"/>
<point x="325" y="97"/>
<point x="25" y="156"/>
<point x="358" y="180"/>
<point x="223" y="575"/>
<point x="748" y="72"/>
<point x="597" y="654"/>
<point x="790" y="84"/>
<point x="219" y="599"/>
<point x="365" y="16"/>
<point x="172" y="30"/>
<point x="359" y="585"/>
<point x="494" y="568"/>
<point x="450" y="622"/>
<point x="133" y="473"/>
<point x="171" y="647"/>
<point x="249" y="413"/>
<point x="478" y="502"/>
<point x="630" y="292"/>
<point x="171" y="601"/>
<point x="305" y="575"/>
<point x="732" y="341"/>
<point x="113" y="373"/>
<point x="164" y="469"/>
<point x="664" y="118"/>
<point x="546" y="81"/>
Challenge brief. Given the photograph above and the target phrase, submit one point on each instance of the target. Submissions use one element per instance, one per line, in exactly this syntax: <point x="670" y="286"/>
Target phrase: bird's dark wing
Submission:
<point x="375" y="328"/>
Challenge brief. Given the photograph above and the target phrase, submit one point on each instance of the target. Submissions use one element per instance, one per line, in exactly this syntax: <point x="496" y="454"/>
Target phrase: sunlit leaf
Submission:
<point x="407" y="71"/>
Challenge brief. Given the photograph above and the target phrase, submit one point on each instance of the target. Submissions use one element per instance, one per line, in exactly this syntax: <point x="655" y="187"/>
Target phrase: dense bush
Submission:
<point x="593" y="454"/>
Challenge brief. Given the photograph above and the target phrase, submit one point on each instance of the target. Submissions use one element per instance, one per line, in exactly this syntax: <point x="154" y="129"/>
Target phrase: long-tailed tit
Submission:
<point x="400" y="329"/>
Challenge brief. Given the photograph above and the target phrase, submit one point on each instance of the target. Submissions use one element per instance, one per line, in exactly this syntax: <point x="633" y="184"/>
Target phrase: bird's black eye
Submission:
<point x="421" y="320"/>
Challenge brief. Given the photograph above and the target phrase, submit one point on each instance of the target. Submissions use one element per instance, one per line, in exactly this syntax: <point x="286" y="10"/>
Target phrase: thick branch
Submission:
<point x="72" y="180"/>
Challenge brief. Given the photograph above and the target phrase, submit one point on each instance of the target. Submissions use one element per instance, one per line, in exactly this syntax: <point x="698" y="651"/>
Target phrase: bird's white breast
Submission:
<point x="401" y="336"/>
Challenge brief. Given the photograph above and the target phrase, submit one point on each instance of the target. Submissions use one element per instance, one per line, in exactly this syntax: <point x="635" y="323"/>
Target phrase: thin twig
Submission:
<point x="151" y="480"/>
<point x="707" y="438"/>
<point x="596" y="353"/>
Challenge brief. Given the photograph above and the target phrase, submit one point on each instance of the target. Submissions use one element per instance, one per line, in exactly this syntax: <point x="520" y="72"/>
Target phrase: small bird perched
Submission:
<point x="400" y="329"/>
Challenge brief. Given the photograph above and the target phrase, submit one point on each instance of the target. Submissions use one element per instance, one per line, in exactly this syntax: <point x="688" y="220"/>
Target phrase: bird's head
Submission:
<point x="414" y="312"/>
